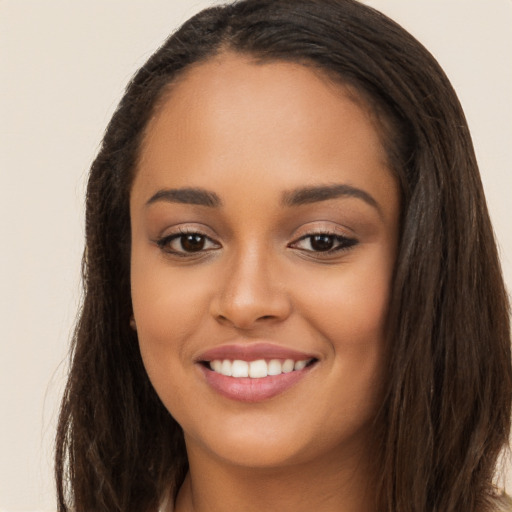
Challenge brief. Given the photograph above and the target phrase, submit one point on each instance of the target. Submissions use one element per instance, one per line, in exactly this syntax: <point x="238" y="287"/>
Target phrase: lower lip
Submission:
<point x="245" y="389"/>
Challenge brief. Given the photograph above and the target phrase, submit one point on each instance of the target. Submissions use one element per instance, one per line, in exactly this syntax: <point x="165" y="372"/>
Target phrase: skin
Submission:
<point x="251" y="133"/>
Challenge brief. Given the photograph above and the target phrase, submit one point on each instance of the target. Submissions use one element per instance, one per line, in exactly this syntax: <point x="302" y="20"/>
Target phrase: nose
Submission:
<point x="250" y="294"/>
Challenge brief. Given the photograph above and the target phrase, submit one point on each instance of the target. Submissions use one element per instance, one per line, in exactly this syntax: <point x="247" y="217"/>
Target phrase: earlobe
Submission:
<point x="133" y="325"/>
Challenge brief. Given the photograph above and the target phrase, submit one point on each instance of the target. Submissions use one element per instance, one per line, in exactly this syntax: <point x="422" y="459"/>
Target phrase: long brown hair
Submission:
<point x="446" y="413"/>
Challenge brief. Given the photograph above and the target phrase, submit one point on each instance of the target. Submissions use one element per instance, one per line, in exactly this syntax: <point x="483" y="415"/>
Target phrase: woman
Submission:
<point x="293" y="297"/>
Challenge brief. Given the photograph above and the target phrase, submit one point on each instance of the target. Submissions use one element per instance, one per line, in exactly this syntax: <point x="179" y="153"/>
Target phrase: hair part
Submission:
<point x="446" y="412"/>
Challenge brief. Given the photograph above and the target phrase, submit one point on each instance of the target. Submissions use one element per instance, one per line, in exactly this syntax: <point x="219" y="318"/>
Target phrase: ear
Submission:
<point x="133" y="325"/>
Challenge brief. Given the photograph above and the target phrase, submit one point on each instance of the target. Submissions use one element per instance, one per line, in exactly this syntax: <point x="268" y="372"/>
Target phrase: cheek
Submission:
<point x="167" y="303"/>
<point x="350" y="311"/>
<point x="350" y="304"/>
<point x="168" y="308"/>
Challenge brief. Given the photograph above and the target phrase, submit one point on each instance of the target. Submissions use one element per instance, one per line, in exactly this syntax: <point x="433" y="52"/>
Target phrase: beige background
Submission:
<point x="63" y="66"/>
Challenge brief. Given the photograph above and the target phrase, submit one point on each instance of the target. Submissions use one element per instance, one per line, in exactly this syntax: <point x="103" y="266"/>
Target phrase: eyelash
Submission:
<point x="341" y="243"/>
<point x="165" y="242"/>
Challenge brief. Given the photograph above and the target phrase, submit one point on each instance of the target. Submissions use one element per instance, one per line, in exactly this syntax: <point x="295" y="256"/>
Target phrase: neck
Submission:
<point x="332" y="482"/>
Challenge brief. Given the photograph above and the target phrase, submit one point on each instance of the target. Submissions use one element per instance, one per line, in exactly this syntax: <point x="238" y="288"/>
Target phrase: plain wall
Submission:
<point x="63" y="67"/>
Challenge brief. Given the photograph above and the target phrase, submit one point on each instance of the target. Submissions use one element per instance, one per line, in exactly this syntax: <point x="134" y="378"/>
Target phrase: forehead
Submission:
<point x="233" y="115"/>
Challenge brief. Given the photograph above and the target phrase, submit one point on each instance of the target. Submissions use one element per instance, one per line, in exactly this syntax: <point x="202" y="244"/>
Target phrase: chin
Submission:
<point x="261" y="443"/>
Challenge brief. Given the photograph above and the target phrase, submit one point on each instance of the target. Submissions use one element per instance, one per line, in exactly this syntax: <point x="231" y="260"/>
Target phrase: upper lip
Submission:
<point x="252" y="352"/>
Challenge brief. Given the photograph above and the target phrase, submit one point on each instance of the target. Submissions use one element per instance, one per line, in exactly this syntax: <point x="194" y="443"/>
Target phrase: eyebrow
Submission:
<point x="308" y="195"/>
<point x="198" y="196"/>
<point x="296" y="197"/>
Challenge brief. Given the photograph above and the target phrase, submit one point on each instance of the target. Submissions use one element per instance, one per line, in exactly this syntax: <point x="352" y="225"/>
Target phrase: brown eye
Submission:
<point x="192" y="242"/>
<point x="187" y="244"/>
<point x="322" y="243"/>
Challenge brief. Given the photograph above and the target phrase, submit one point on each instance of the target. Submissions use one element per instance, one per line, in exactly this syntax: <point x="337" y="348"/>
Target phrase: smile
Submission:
<point x="254" y="372"/>
<point x="257" y="369"/>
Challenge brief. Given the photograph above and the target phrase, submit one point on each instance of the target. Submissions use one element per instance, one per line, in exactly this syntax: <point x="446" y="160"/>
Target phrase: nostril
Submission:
<point x="248" y="311"/>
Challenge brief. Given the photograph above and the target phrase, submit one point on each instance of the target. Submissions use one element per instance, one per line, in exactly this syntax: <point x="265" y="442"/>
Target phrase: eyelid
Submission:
<point x="173" y="236"/>
<point x="344" y="242"/>
<point x="186" y="228"/>
<point x="164" y="241"/>
<point x="350" y="241"/>
<point x="323" y="228"/>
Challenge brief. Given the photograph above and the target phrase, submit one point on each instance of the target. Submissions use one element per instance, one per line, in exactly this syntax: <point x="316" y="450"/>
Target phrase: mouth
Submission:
<point x="258" y="369"/>
<point x="253" y="373"/>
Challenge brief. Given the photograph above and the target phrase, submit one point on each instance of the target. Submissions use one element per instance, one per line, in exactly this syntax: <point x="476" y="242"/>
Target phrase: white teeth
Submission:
<point x="240" y="369"/>
<point x="225" y="369"/>
<point x="300" y="365"/>
<point x="288" y="366"/>
<point x="216" y="366"/>
<point x="274" y="367"/>
<point x="256" y="369"/>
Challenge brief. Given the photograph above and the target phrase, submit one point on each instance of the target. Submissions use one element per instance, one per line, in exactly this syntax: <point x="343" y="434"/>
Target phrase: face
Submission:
<point x="264" y="232"/>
